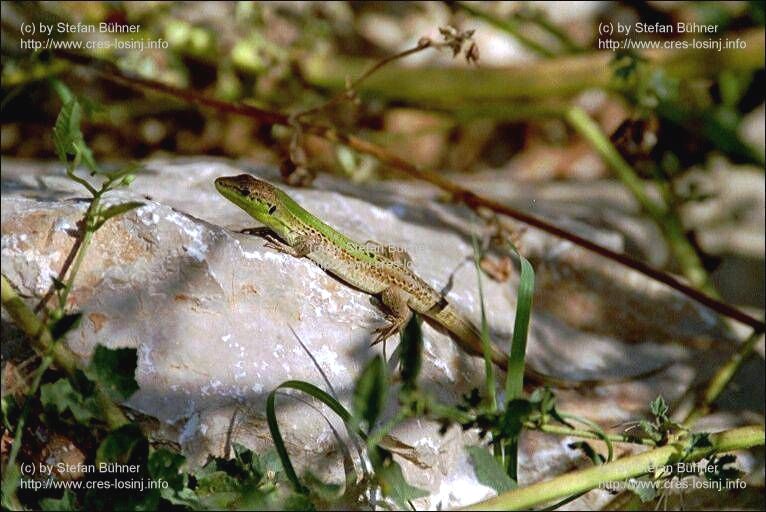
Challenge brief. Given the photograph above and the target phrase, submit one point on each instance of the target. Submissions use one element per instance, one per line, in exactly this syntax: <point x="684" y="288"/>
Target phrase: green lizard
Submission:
<point x="383" y="273"/>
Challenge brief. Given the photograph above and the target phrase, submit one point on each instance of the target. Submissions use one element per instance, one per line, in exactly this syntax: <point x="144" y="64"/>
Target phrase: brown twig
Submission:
<point x="459" y="194"/>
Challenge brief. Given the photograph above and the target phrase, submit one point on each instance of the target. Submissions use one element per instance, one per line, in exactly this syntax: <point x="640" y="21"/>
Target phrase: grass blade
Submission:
<point x="276" y="435"/>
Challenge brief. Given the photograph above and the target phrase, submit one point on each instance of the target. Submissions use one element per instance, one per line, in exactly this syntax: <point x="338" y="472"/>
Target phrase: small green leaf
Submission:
<point x="391" y="479"/>
<point x="128" y="172"/>
<point x="658" y="407"/>
<point x="10" y="411"/>
<point x="370" y="392"/>
<point x="65" y="324"/>
<point x="11" y="481"/>
<point x="645" y="493"/>
<point x="66" y="502"/>
<point x="112" y="211"/>
<point x="67" y="137"/>
<point x="489" y="471"/>
<point x="166" y="465"/>
<point x="323" y="491"/>
<point x="114" y="369"/>
<point x="61" y="396"/>
<point x="125" y="445"/>
<point x="411" y="356"/>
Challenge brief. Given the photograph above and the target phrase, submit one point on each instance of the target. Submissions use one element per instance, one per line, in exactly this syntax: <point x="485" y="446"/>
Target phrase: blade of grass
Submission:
<point x="485" y="343"/>
<point x="514" y="379"/>
<point x="271" y="419"/>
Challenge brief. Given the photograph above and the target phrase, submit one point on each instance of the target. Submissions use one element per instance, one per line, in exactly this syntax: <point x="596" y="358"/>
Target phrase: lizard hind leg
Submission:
<point x="399" y="313"/>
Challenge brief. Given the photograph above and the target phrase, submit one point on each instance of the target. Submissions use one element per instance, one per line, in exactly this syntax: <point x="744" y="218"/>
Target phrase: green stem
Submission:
<point x="42" y="342"/>
<point x="619" y="470"/>
<point x="587" y="434"/>
<point x="721" y="379"/>
<point x="670" y="224"/>
<point x="510" y="26"/>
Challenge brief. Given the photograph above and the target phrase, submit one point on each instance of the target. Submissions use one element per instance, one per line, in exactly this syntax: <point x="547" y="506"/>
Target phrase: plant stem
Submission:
<point x="42" y="342"/>
<point x="510" y="26"/>
<point x="721" y="379"/>
<point x="619" y="470"/>
<point x="587" y="434"/>
<point x="666" y="220"/>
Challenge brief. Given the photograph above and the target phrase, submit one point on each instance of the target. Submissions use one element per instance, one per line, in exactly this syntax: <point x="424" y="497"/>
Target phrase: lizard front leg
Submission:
<point x="399" y="313"/>
<point x="299" y="248"/>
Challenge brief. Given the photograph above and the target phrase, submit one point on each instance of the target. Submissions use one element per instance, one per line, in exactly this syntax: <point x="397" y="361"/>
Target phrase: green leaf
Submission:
<point x="10" y="411"/>
<point x="114" y="369"/>
<point x="391" y="479"/>
<point x="11" y="481"/>
<point x="112" y="211"/>
<point x="371" y="392"/>
<point x="124" y="172"/>
<point x="514" y="381"/>
<point x="489" y="471"/>
<point x="411" y="356"/>
<point x="659" y="408"/>
<point x="67" y="137"/>
<point x="645" y="493"/>
<point x="65" y="324"/>
<point x="61" y="396"/>
<point x="271" y="419"/>
<point x="66" y="502"/>
<point x="323" y="491"/>
<point x="166" y="465"/>
<point x="125" y="445"/>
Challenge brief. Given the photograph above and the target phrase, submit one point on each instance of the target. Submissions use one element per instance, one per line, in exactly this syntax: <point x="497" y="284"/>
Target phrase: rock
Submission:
<point x="217" y="317"/>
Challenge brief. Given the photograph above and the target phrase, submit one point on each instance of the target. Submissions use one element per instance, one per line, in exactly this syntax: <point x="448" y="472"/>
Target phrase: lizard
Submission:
<point x="382" y="273"/>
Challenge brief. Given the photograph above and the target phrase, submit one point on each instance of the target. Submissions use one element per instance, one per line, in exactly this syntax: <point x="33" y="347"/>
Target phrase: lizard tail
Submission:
<point x="465" y="334"/>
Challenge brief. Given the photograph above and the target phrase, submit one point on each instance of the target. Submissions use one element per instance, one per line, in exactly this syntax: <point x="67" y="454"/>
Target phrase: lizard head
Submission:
<point x="258" y="198"/>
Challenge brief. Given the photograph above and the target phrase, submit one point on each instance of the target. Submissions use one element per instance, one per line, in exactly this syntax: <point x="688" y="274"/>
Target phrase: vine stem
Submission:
<point x="619" y="470"/>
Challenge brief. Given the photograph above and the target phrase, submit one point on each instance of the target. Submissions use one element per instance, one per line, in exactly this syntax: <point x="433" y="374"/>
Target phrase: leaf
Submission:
<point x="125" y="445"/>
<point x="516" y="413"/>
<point x="411" y="357"/>
<point x="10" y="411"/>
<point x="114" y="369"/>
<point x="323" y="491"/>
<point x="391" y="479"/>
<point x="66" y="502"/>
<point x="658" y="407"/>
<point x="61" y="396"/>
<point x="642" y="488"/>
<point x="67" y="137"/>
<point x="489" y="471"/>
<point x="112" y="211"/>
<point x="271" y="419"/>
<point x="11" y="481"/>
<point x="370" y="392"/>
<point x="166" y="465"/>
<point x="65" y="324"/>
<point x="514" y="381"/>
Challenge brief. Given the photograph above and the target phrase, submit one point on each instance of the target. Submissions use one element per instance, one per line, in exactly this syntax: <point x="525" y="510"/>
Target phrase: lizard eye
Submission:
<point x="272" y="209"/>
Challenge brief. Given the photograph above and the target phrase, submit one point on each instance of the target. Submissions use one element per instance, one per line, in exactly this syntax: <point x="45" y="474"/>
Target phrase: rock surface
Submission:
<point x="216" y="316"/>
